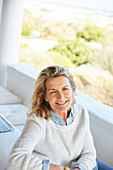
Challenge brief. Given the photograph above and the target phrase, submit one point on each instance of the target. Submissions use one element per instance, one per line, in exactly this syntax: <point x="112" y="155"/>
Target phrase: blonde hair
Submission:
<point x="40" y="106"/>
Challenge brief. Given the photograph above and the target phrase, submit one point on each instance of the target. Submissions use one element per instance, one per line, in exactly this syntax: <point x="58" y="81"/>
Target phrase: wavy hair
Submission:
<point x="40" y="106"/>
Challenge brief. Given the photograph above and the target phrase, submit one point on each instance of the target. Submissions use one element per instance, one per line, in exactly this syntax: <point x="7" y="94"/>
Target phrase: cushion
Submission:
<point x="7" y="97"/>
<point x="7" y="140"/>
<point x="16" y="114"/>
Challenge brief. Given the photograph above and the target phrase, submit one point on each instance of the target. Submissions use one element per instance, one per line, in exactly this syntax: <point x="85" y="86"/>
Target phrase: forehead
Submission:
<point x="57" y="82"/>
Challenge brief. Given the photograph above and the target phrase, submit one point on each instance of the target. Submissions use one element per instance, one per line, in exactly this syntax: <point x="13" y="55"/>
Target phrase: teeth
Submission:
<point x="62" y="103"/>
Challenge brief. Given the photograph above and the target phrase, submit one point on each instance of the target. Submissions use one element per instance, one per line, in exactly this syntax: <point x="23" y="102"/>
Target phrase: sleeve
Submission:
<point x="21" y="156"/>
<point x="87" y="157"/>
<point x="45" y="164"/>
<point x="78" y="165"/>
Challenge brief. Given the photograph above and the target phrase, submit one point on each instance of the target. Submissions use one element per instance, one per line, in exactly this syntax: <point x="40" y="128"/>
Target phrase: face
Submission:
<point x="59" y="94"/>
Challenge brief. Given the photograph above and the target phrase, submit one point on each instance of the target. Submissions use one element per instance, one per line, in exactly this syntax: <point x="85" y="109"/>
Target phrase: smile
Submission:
<point x="62" y="103"/>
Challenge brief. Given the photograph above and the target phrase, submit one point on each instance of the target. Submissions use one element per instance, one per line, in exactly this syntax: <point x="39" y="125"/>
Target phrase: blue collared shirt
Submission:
<point x="59" y="121"/>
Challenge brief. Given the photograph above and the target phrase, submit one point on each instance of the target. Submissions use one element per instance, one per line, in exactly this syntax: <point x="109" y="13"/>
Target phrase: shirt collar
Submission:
<point x="59" y="121"/>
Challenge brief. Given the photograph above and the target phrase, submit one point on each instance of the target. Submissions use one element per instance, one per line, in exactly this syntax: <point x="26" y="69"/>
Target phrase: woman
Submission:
<point x="56" y="135"/>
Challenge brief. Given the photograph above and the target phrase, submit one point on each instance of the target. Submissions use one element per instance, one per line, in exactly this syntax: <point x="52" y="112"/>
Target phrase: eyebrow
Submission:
<point x="51" y="89"/>
<point x="55" y="89"/>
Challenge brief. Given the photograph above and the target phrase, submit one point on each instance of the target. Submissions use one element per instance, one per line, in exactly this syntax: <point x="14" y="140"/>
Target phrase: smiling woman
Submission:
<point x="56" y="135"/>
<point x="59" y="96"/>
<point x="52" y="81"/>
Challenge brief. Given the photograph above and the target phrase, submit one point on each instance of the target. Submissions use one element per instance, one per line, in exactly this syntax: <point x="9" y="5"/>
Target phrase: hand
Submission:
<point x="56" y="167"/>
<point x="66" y="168"/>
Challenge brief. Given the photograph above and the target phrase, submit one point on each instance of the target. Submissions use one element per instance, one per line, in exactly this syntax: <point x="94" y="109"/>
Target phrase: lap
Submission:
<point x="102" y="166"/>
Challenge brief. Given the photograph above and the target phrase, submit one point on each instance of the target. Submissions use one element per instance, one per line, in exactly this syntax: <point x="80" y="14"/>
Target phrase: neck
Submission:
<point x="63" y="115"/>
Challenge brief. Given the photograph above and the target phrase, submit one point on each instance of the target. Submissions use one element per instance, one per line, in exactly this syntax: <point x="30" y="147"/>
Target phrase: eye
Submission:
<point x="65" y="88"/>
<point x="52" y="92"/>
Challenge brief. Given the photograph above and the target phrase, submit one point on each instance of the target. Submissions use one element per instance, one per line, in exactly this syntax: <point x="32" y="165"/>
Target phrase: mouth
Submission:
<point x="61" y="103"/>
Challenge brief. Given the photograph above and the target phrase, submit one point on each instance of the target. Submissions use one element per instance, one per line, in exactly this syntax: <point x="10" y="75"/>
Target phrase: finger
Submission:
<point x="66" y="168"/>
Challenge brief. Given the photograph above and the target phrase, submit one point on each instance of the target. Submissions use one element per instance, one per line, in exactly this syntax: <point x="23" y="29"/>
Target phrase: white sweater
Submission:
<point x="59" y="144"/>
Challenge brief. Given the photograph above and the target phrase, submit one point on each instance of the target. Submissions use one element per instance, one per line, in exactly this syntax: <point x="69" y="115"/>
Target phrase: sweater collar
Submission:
<point x="59" y="121"/>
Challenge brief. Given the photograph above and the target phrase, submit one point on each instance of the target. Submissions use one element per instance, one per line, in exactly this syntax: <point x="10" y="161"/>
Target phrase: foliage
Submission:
<point x="71" y="52"/>
<point x="60" y="60"/>
<point x="30" y="23"/>
<point x="76" y="51"/>
<point x="27" y="24"/>
<point x="26" y="31"/>
<point x="103" y="58"/>
<point x="92" y="33"/>
<point x="24" y="46"/>
<point x="41" y="60"/>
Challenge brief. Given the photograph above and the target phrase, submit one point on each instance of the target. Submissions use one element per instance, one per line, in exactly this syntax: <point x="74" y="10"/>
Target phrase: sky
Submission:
<point x="106" y="5"/>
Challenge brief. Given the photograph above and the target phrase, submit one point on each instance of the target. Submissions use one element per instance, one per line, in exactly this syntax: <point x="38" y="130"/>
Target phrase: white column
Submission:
<point x="0" y="9"/>
<point x="10" y="34"/>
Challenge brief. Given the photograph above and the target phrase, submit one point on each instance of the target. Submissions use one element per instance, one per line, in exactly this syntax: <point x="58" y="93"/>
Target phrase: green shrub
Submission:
<point x="28" y="23"/>
<point x="60" y="60"/>
<point x="26" y="31"/>
<point x="76" y="51"/>
<point x="92" y="33"/>
<point x="24" y="45"/>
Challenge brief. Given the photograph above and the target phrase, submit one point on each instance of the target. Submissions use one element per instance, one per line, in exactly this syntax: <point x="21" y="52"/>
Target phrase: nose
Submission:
<point x="60" y="95"/>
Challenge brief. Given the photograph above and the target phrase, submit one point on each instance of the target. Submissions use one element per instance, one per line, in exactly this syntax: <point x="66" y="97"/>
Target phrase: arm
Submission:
<point x="48" y="166"/>
<point x="55" y="167"/>
<point x="87" y="158"/>
<point x="21" y="155"/>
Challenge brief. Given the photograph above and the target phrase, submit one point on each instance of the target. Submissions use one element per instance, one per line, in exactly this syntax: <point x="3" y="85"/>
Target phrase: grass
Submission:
<point x="103" y="58"/>
<point x="61" y="60"/>
<point x="41" y="60"/>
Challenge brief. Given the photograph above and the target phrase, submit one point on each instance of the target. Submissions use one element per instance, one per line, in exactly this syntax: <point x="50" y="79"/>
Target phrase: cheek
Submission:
<point x="70" y="97"/>
<point x="50" y="99"/>
<point x="69" y="94"/>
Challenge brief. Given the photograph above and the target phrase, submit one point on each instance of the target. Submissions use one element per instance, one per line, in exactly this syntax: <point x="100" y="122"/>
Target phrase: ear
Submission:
<point x="73" y="91"/>
<point x="45" y="99"/>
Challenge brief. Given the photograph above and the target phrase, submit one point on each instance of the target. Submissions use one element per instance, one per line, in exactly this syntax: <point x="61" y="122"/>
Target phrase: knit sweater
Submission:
<point x="43" y="139"/>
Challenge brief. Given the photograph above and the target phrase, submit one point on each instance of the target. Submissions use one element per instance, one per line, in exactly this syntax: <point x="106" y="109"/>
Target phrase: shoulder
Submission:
<point x="35" y="121"/>
<point x="80" y="111"/>
<point x="35" y="118"/>
<point x="80" y="108"/>
<point x="34" y="127"/>
<point x="81" y="116"/>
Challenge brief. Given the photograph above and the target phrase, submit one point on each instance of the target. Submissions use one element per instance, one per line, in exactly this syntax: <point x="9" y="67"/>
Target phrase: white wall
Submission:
<point x="101" y="122"/>
<point x="21" y="79"/>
